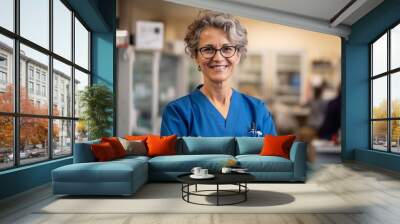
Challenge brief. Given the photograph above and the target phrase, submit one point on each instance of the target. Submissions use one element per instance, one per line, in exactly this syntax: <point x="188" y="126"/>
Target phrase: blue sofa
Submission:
<point x="125" y="176"/>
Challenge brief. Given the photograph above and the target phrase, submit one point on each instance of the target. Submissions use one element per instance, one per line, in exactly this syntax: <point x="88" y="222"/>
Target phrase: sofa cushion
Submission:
<point x="111" y="171"/>
<point x="208" y="145"/>
<point x="134" y="147"/>
<point x="249" y="145"/>
<point x="257" y="163"/>
<point x="137" y="137"/>
<point x="83" y="152"/>
<point x="185" y="163"/>
<point x="132" y="158"/>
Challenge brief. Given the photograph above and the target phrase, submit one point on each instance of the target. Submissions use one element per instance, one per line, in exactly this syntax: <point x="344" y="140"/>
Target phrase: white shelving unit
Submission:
<point x="250" y="75"/>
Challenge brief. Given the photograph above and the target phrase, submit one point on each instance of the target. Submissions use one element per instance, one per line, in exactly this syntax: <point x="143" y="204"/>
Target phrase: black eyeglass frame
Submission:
<point x="236" y="47"/>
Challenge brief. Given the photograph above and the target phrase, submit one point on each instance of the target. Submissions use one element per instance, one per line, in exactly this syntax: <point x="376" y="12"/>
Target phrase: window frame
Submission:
<point x="16" y="114"/>
<point x="3" y="71"/>
<point x="388" y="74"/>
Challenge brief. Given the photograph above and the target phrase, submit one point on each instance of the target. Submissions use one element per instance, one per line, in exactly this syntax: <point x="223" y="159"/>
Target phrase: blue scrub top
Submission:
<point x="195" y="115"/>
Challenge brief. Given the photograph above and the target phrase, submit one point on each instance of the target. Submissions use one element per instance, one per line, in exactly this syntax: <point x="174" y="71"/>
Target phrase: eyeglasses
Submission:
<point x="226" y="51"/>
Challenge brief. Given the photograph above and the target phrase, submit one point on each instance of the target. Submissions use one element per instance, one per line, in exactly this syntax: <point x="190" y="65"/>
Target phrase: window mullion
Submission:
<point x="89" y="54"/>
<point x="389" y="76"/>
<point x="73" y="82"/>
<point x="372" y="94"/>
<point x="50" y="81"/>
<point x="371" y="89"/>
<point x="16" y="84"/>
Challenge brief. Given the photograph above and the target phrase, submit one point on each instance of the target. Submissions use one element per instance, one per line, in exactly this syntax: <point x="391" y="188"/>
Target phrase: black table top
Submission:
<point x="220" y="178"/>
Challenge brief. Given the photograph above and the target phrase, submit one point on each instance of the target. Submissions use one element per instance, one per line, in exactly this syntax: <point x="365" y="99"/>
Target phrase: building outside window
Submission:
<point x="44" y="77"/>
<point x="38" y="89"/>
<point x="37" y="75"/>
<point x="43" y="90"/>
<point x="35" y="52"/>
<point x="55" y="96"/>
<point x="3" y="78"/>
<point x="3" y="61"/>
<point x="3" y="72"/>
<point x="30" y="87"/>
<point x="30" y="72"/>
<point x="384" y="92"/>
<point x="3" y="81"/>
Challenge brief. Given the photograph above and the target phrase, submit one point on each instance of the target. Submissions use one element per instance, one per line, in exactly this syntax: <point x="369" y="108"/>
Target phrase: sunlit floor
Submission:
<point x="328" y="158"/>
<point x="378" y="189"/>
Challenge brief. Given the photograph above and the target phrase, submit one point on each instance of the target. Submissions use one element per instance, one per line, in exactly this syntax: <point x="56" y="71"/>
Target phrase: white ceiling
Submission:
<point x="314" y="15"/>
<point x="320" y="9"/>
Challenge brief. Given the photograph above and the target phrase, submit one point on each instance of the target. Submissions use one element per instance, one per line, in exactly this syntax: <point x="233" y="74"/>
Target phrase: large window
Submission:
<point x="385" y="91"/>
<point x="7" y="14"/>
<point x="44" y="64"/>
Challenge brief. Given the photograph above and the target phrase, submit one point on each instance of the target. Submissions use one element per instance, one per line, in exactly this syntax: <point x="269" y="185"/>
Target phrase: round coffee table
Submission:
<point x="238" y="179"/>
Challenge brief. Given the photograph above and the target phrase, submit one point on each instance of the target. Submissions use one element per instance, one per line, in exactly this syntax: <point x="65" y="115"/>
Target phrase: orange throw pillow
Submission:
<point x="136" y="137"/>
<point x="103" y="152"/>
<point x="161" y="146"/>
<point x="116" y="145"/>
<point x="277" y="145"/>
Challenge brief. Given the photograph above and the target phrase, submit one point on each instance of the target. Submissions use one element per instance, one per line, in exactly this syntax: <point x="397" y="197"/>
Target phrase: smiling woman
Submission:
<point x="216" y="42"/>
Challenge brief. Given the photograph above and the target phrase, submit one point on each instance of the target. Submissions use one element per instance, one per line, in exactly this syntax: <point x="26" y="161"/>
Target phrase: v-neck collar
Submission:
<point x="230" y="110"/>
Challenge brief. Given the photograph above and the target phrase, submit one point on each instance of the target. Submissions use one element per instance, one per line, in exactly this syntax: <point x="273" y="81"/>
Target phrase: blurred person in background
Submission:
<point x="216" y="42"/>
<point x="329" y="128"/>
<point x="314" y="121"/>
<point x="317" y="109"/>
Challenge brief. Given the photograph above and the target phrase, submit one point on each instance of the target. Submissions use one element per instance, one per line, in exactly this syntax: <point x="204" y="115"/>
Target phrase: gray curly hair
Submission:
<point x="231" y="26"/>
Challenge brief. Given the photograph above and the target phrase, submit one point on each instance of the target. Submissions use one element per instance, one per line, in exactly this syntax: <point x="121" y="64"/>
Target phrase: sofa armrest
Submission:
<point x="298" y="155"/>
<point x="83" y="152"/>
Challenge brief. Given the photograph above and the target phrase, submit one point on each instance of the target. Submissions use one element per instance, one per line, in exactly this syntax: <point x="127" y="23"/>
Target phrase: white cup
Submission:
<point x="226" y="170"/>
<point x="203" y="172"/>
<point x="196" y="171"/>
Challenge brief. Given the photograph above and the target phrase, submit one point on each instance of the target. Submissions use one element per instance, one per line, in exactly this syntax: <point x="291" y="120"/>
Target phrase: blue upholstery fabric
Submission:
<point x="179" y="145"/>
<point x="208" y="145"/>
<point x="118" y="177"/>
<point x="133" y="157"/>
<point x="99" y="188"/>
<point x="83" y="152"/>
<point x="257" y="163"/>
<point x="249" y="145"/>
<point x="184" y="163"/>
<point x="298" y="155"/>
<point x="94" y="172"/>
<point x="126" y="175"/>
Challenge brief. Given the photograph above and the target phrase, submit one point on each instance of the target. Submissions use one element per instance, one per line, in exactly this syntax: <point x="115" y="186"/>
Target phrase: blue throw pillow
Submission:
<point x="249" y="145"/>
<point x="208" y="145"/>
<point x="83" y="152"/>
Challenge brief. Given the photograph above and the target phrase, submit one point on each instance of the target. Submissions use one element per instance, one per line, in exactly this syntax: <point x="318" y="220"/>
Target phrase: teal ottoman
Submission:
<point x="118" y="177"/>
